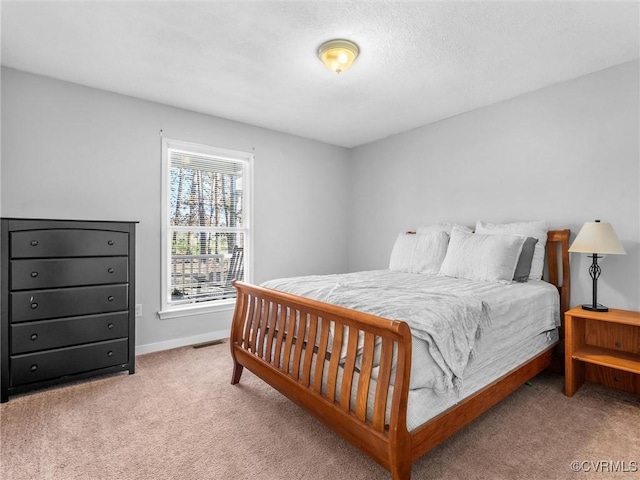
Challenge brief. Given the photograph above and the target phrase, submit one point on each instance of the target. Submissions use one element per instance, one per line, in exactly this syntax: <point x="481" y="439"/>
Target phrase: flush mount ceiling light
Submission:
<point x="338" y="55"/>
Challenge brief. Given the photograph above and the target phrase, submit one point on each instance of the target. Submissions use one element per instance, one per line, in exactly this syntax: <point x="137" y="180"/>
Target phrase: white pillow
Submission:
<point x="441" y="227"/>
<point x="489" y="258"/>
<point x="538" y="230"/>
<point x="416" y="253"/>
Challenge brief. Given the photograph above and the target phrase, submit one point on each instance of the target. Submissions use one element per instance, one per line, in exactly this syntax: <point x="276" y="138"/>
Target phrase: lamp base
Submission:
<point x="595" y="308"/>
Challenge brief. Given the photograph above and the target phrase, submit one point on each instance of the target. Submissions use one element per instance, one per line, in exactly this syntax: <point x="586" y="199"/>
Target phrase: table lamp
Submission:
<point x="596" y="238"/>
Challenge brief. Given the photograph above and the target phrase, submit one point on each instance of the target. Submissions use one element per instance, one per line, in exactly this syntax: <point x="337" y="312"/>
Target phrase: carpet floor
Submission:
<point x="179" y="417"/>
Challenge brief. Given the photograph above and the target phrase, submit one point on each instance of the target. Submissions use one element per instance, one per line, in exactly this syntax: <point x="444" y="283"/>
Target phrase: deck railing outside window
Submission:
<point x="198" y="278"/>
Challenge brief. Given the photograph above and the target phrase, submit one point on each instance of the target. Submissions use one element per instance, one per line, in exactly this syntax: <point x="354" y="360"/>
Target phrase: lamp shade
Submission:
<point x="597" y="237"/>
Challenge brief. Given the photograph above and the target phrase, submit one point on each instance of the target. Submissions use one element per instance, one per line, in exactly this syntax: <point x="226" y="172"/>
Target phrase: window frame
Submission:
<point x="174" y="311"/>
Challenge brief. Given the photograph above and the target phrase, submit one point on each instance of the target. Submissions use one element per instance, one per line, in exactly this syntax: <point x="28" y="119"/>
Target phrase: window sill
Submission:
<point x="197" y="309"/>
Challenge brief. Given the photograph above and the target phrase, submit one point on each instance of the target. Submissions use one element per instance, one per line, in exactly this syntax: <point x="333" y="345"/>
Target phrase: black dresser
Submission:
<point x="68" y="301"/>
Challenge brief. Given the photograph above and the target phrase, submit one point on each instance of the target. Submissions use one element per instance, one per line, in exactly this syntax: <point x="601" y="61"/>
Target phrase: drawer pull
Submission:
<point x="110" y="326"/>
<point x="34" y="368"/>
<point x="34" y="243"/>
<point x="616" y="379"/>
<point x="110" y="270"/>
<point x="110" y="242"/>
<point x="34" y="336"/>
<point x="34" y="305"/>
<point x="34" y="274"/>
<point x="110" y="298"/>
<point x="110" y="353"/>
<point x="618" y="344"/>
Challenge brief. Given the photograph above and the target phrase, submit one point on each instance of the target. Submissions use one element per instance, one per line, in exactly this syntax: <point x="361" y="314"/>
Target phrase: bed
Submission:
<point x="352" y="368"/>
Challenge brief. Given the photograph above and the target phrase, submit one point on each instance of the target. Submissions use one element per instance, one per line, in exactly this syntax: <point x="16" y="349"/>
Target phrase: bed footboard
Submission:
<point x="349" y="369"/>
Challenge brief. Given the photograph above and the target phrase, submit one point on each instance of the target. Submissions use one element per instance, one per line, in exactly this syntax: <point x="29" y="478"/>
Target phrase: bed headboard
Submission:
<point x="558" y="271"/>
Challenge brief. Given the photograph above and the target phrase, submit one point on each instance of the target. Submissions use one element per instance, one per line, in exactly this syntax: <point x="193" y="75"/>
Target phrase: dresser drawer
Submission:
<point x="68" y="272"/>
<point x="45" y="334"/>
<point x="68" y="243"/>
<point x="68" y="302"/>
<point x="35" y="367"/>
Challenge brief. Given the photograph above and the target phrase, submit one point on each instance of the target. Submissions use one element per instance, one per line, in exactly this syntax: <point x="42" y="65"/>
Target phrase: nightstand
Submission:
<point x="602" y="347"/>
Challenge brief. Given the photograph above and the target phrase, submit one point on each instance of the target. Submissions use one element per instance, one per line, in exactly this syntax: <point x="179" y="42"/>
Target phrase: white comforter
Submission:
<point x="447" y="316"/>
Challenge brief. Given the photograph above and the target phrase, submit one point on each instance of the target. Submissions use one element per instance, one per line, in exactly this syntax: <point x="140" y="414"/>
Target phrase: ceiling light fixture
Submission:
<point x="338" y="55"/>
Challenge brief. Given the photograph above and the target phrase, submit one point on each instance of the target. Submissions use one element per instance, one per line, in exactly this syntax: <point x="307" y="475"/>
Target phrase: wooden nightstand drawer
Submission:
<point x="68" y="272"/>
<point x="67" y="302"/>
<point x="615" y="336"/>
<point x="36" y="367"/>
<point x="619" y="379"/>
<point x="68" y="243"/>
<point x="45" y="334"/>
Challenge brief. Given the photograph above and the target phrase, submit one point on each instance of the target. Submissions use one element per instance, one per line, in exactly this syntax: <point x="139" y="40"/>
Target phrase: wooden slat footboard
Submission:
<point x="322" y="357"/>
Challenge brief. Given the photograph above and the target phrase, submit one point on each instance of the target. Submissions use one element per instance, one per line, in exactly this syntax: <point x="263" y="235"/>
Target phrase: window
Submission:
<point x="206" y="213"/>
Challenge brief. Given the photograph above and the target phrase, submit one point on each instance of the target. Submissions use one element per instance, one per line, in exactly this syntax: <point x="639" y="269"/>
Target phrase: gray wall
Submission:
<point x="568" y="153"/>
<point x="80" y="153"/>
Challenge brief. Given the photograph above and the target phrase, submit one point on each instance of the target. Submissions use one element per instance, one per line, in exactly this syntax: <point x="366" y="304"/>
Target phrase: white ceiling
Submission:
<point x="255" y="62"/>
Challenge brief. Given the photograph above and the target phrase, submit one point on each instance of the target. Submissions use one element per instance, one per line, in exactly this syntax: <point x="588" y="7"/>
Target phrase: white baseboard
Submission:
<point x="182" y="342"/>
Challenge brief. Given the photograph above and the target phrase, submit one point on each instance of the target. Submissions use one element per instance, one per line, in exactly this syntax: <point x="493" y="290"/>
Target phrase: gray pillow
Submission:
<point x="523" y="268"/>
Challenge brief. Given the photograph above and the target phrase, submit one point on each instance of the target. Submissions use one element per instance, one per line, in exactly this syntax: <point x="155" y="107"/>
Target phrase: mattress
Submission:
<point x="424" y="403"/>
<point x="516" y="313"/>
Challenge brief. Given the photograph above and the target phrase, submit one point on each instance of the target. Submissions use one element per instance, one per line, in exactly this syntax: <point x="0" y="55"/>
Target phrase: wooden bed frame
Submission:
<point x="259" y="342"/>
